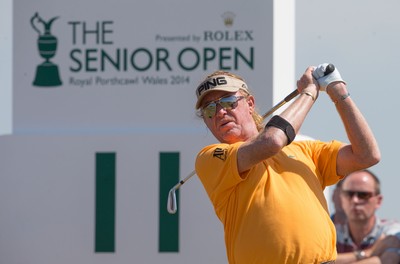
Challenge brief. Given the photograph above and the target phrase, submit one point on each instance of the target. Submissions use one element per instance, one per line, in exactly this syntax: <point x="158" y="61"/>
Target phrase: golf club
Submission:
<point x="172" y="206"/>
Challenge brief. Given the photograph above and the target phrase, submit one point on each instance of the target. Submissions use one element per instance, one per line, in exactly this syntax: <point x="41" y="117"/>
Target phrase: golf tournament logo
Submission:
<point x="100" y="56"/>
<point x="47" y="74"/>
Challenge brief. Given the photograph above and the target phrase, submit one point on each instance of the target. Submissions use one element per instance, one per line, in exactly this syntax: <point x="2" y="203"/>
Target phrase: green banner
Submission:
<point x="169" y="223"/>
<point x="105" y="202"/>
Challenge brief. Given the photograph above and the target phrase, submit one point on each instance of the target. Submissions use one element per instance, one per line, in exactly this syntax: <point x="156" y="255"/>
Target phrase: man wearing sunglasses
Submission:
<point x="365" y="238"/>
<point x="266" y="189"/>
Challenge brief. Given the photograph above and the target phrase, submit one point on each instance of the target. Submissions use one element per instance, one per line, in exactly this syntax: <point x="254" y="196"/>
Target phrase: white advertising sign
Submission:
<point x="123" y="65"/>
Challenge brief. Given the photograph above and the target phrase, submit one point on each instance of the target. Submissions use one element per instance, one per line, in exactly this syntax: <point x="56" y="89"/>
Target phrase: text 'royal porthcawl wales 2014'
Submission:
<point x="138" y="80"/>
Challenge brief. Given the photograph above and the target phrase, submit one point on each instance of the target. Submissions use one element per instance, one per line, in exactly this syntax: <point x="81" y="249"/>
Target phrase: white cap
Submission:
<point x="218" y="83"/>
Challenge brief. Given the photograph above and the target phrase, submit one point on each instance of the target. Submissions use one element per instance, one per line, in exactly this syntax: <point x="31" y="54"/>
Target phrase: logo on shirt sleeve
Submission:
<point x="220" y="153"/>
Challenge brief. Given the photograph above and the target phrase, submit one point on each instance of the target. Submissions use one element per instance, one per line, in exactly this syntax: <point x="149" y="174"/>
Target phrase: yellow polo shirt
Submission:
<point x="276" y="212"/>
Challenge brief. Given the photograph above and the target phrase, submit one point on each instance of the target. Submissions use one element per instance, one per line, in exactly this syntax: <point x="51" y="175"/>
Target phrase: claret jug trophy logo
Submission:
<point x="47" y="74"/>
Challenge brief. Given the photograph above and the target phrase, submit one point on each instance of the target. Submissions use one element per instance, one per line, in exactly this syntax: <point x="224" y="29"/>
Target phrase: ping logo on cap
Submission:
<point x="211" y="83"/>
<point x="219" y="83"/>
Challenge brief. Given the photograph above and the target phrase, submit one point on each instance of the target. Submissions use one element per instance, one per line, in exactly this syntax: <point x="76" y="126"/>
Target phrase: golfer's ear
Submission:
<point x="251" y="101"/>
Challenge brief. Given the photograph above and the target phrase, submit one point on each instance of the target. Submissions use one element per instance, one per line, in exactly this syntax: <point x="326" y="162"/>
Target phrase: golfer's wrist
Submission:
<point x="338" y="93"/>
<point x="311" y="95"/>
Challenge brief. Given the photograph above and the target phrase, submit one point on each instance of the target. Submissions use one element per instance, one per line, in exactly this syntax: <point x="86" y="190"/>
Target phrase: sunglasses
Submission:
<point x="360" y="195"/>
<point x="227" y="103"/>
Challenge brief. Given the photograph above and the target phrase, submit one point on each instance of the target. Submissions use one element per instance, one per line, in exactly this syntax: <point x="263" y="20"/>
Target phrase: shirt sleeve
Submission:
<point x="216" y="167"/>
<point x="325" y="155"/>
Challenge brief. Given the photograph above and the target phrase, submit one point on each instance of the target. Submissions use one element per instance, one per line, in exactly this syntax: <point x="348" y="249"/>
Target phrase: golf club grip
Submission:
<point x="329" y="69"/>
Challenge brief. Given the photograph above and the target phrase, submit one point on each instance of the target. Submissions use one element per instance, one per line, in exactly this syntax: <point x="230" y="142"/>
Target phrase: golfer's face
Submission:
<point x="231" y="123"/>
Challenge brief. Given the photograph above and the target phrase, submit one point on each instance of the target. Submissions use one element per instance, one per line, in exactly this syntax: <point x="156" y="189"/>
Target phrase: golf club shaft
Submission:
<point x="179" y="184"/>
<point x="281" y="103"/>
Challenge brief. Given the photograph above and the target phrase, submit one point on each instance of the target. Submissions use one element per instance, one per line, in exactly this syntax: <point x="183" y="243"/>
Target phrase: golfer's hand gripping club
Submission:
<point x="323" y="70"/>
<point x="326" y="74"/>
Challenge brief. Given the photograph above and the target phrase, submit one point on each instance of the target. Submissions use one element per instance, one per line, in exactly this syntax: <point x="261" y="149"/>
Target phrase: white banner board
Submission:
<point x="121" y="65"/>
